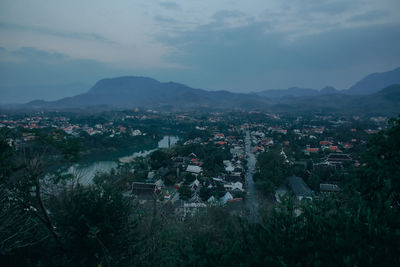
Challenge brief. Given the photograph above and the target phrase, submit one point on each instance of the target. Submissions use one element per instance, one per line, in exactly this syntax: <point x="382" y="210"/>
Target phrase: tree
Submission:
<point x="205" y="193"/>
<point x="379" y="181"/>
<point x="184" y="192"/>
<point x="272" y="171"/>
<point x="159" y="158"/>
<point x="96" y="223"/>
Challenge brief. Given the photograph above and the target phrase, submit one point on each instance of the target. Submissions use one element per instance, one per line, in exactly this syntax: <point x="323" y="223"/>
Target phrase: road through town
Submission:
<point x="251" y="200"/>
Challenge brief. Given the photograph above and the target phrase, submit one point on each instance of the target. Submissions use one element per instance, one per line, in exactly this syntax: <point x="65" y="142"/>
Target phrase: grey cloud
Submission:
<point x="170" y="5"/>
<point x="247" y="58"/>
<point x="72" y="35"/>
<point x="39" y="74"/>
<point x="223" y="14"/>
<point x="163" y="19"/>
<point x="32" y="54"/>
<point x="331" y="8"/>
<point x="369" y="16"/>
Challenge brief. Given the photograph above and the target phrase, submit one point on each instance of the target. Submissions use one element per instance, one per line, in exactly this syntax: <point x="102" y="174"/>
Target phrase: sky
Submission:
<point x="51" y="48"/>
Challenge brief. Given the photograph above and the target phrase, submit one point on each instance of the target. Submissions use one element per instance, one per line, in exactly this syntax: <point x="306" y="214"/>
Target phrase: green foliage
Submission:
<point x="189" y="178"/>
<point x="198" y="134"/>
<point x="205" y="193"/>
<point x="98" y="225"/>
<point x="211" y="155"/>
<point x="184" y="192"/>
<point x="379" y="181"/>
<point x="272" y="171"/>
<point x="6" y="154"/>
<point x="95" y="223"/>
<point x="71" y="149"/>
<point x="159" y="158"/>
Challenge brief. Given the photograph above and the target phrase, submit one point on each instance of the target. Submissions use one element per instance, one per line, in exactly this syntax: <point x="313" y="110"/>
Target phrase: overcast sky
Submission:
<point x="51" y="48"/>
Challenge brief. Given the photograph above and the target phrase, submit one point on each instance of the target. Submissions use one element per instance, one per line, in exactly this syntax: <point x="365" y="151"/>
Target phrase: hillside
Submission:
<point x="296" y="92"/>
<point x="129" y="92"/>
<point x="132" y="92"/>
<point x="374" y="82"/>
<point x="384" y="102"/>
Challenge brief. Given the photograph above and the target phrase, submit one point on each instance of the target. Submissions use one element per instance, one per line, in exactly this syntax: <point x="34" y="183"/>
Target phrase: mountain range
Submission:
<point x="370" y="84"/>
<point x="365" y="96"/>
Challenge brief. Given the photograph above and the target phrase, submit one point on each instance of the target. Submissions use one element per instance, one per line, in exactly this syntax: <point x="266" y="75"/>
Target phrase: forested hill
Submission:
<point x="128" y="92"/>
<point x="132" y="92"/>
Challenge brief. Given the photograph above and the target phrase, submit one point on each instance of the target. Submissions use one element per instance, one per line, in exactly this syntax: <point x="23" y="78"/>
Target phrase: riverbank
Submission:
<point x="86" y="171"/>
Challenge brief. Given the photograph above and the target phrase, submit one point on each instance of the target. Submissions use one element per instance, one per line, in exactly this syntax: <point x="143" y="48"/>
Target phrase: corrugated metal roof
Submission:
<point x="299" y="187"/>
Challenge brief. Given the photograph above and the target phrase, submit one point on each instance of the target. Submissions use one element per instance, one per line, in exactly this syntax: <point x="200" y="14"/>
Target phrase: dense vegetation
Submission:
<point x="88" y="226"/>
<point x="272" y="171"/>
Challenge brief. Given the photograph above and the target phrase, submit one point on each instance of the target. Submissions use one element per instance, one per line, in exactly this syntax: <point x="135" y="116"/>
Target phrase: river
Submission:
<point x="86" y="172"/>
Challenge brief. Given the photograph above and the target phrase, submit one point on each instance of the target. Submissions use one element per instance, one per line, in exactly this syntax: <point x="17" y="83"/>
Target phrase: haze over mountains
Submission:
<point x="128" y="92"/>
<point x="372" y="83"/>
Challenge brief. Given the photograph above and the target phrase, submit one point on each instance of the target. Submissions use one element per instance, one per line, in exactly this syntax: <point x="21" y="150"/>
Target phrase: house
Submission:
<point x="159" y="184"/>
<point x="267" y="141"/>
<point x="329" y="188"/>
<point x="311" y="150"/>
<point x="334" y="149"/>
<point x="347" y="145"/>
<point x="219" y="136"/>
<point x="226" y="198"/>
<point x="196" y="170"/>
<point x="237" y="186"/>
<point x="211" y="200"/>
<point x="318" y="130"/>
<point x="195" y="198"/>
<point x="338" y="158"/>
<point x="195" y="185"/>
<point x="234" y="177"/>
<point x="151" y="175"/>
<point x="144" y="189"/>
<point x="68" y="130"/>
<point x="229" y="168"/>
<point x="299" y="188"/>
<point x="192" y="155"/>
<point x="325" y="143"/>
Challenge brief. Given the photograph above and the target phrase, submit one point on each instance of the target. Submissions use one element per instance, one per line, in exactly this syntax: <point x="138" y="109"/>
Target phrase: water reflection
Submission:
<point x="86" y="173"/>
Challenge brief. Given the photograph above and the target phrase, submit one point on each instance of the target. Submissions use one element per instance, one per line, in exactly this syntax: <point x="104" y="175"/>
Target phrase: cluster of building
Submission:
<point x="323" y="141"/>
<point x="29" y="123"/>
<point x="221" y="188"/>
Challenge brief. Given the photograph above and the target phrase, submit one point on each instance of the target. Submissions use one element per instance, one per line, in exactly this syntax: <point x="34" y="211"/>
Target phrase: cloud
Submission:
<point x="226" y="44"/>
<point x="170" y="5"/>
<point x="29" y="73"/>
<point x="163" y="19"/>
<point x="224" y="14"/>
<point x="369" y="16"/>
<point x="328" y="7"/>
<point x="249" y="58"/>
<point x="65" y="34"/>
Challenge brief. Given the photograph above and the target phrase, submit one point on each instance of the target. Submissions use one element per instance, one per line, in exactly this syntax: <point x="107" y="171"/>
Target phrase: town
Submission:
<point x="304" y="155"/>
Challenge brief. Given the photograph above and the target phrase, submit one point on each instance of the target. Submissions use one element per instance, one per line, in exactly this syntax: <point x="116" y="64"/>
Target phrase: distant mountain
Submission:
<point x="384" y="102"/>
<point x="129" y="92"/>
<point x="370" y="84"/>
<point x="328" y="90"/>
<point x="296" y="92"/>
<point x="375" y="82"/>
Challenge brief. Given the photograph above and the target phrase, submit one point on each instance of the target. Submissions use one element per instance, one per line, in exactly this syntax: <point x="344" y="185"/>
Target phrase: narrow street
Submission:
<point x="251" y="200"/>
